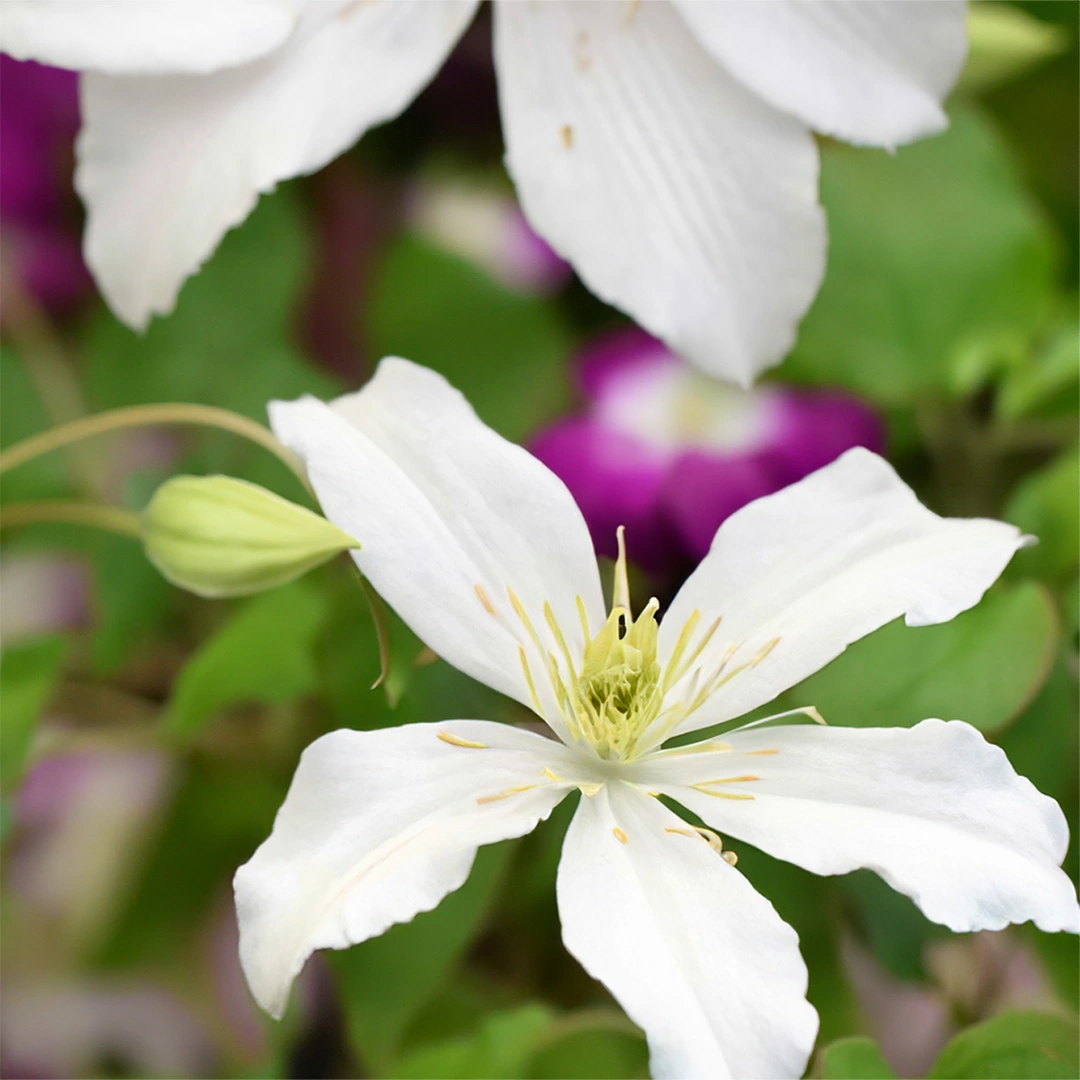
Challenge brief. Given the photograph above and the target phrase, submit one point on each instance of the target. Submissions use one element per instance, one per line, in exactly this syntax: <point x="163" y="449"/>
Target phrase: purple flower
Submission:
<point x="38" y="212"/>
<point x="670" y="453"/>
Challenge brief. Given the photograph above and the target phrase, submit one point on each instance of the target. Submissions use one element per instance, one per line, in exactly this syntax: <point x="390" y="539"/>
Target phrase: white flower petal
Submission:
<point x="798" y="576"/>
<point x="168" y="164"/>
<point x="678" y="195"/>
<point x="694" y="955"/>
<point x="144" y="38"/>
<point x="868" y="71"/>
<point x="450" y="517"/>
<point x="377" y="827"/>
<point x="935" y="809"/>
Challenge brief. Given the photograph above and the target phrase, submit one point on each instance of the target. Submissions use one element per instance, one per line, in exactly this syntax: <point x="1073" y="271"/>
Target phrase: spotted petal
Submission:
<point x="677" y="195"/>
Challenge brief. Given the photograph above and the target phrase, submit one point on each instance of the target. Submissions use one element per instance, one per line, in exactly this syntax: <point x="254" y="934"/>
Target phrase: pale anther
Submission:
<point x="738" y="795"/>
<point x="488" y="605"/>
<point x="503" y="794"/>
<point x="455" y="740"/>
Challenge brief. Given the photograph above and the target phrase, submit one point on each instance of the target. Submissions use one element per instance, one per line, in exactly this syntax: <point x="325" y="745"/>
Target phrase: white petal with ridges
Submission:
<point x="450" y="518"/>
<point x="867" y="71"/>
<point x="797" y="576"/>
<point x="168" y="164"/>
<point x="148" y="37"/>
<point x="678" y="196"/>
<point x="694" y="955"/>
<point x="935" y="809"/>
<point x="377" y="827"/>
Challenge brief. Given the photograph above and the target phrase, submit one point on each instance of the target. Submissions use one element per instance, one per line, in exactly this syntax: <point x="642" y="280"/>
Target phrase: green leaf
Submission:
<point x="264" y="653"/>
<point x="1045" y="504"/>
<point x="22" y="415"/>
<point x="808" y="904"/>
<point x="1047" y="385"/>
<point x="384" y="982"/>
<point x="930" y="250"/>
<point x="892" y="926"/>
<point x="983" y="667"/>
<point x="130" y="600"/>
<point x="578" y="1047"/>
<point x="1012" y="1046"/>
<point x="500" y="1048"/>
<point x="226" y="344"/>
<point x="1049" y="721"/>
<point x="853" y="1058"/>
<point x="220" y="811"/>
<point x="503" y="350"/>
<point x="28" y="675"/>
<point x="1070" y="610"/>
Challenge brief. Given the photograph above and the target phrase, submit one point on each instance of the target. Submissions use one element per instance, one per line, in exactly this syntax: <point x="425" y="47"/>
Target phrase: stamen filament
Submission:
<point x="584" y="617"/>
<point x="529" y="681"/>
<point x="621" y="592"/>
<point x="560" y="640"/>
<point x="670" y="676"/>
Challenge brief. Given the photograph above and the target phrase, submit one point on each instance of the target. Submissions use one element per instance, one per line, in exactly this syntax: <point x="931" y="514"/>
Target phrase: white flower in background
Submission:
<point x="664" y="149"/>
<point x="482" y="551"/>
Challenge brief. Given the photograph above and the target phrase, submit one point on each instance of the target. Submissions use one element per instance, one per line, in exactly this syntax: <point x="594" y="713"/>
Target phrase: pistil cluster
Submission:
<point x="619" y="692"/>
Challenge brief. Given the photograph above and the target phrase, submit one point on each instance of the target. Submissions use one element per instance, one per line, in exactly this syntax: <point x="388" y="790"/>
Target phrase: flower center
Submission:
<point x="619" y="692"/>
<point x="616" y="696"/>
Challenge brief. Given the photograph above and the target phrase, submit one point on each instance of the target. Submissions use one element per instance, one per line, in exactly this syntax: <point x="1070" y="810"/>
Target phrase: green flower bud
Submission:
<point x="219" y="536"/>
<point x="1004" y="41"/>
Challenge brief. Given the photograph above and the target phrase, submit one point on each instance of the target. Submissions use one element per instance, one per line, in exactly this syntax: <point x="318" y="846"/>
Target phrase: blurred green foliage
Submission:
<point x="1014" y="1044"/>
<point x="263" y="654"/>
<point x="949" y="303"/>
<point x="853" y="1058"/>
<point x="28" y="676"/>
<point x="506" y="352"/>
<point x="983" y="667"/>
<point x="932" y="251"/>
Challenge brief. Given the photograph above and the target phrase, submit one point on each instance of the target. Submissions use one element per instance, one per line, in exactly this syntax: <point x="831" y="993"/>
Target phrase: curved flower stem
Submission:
<point x="129" y="523"/>
<point x="111" y="518"/>
<point x="145" y="415"/>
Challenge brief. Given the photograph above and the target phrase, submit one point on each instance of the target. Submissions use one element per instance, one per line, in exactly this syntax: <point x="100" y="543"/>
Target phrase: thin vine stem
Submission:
<point x="143" y="416"/>
<point x="114" y="519"/>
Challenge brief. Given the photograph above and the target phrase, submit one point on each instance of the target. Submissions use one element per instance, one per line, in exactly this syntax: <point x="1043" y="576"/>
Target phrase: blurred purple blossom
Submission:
<point x="670" y="453"/>
<point x="72" y="1027"/>
<point x="38" y="211"/>
<point x="79" y="819"/>
<point x="485" y="225"/>
<point x="43" y="592"/>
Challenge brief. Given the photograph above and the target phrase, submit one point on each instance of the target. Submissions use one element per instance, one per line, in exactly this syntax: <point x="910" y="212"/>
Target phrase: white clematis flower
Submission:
<point x="663" y="148"/>
<point x="484" y="554"/>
